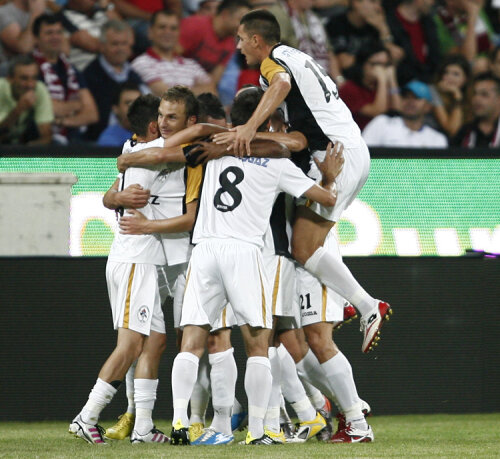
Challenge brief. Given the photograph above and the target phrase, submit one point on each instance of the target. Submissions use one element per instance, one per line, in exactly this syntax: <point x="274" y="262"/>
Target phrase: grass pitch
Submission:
<point x="453" y="436"/>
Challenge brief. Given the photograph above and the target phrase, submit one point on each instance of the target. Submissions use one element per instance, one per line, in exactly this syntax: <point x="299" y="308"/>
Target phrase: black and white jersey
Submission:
<point x="313" y="105"/>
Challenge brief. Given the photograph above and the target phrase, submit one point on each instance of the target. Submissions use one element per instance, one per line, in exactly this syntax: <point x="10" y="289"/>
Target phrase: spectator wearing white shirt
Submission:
<point x="408" y="129"/>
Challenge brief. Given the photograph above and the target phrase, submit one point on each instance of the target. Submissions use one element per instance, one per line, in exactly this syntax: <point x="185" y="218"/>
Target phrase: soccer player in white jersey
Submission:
<point x="132" y="279"/>
<point x="313" y="106"/>
<point x="226" y="264"/>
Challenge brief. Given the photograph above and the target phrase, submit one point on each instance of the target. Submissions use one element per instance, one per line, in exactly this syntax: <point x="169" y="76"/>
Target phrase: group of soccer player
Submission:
<point x="247" y="240"/>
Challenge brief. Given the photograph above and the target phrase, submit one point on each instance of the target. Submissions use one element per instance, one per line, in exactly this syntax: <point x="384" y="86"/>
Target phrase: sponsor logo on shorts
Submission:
<point x="143" y="314"/>
<point x="309" y="313"/>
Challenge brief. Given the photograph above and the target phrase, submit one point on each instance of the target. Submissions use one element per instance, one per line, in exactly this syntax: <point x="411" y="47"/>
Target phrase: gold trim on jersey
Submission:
<point x="269" y="68"/>
<point x="224" y="311"/>
<point x="193" y="183"/>
<point x="324" y="298"/>
<point x="276" y="285"/>
<point x="263" y="297"/>
<point x="126" y="314"/>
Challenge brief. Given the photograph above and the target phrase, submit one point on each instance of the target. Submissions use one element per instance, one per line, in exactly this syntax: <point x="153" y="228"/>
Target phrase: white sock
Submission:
<point x="237" y="408"/>
<point x="258" y="382"/>
<point x="292" y="388"/>
<point x="100" y="395"/>
<point x="309" y="369"/>
<point x="184" y="372"/>
<point x="129" y="386"/>
<point x="201" y="392"/>
<point x="338" y="372"/>
<point x="272" y="418"/>
<point x="334" y="274"/>
<point x="284" y="418"/>
<point x="223" y="377"/>
<point x="315" y="396"/>
<point x="145" y="397"/>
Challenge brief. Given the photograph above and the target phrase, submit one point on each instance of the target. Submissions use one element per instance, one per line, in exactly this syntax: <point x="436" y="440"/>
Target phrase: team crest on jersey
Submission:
<point x="143" y="314"/>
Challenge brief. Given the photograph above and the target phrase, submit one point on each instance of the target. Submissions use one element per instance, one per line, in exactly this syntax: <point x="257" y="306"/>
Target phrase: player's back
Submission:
<point x="238" y="195"/>
<point x="313" y="104"/>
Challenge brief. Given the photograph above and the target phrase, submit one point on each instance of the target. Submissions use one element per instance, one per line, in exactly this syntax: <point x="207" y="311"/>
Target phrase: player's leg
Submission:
<point x="184" y="374"/>
<point x="145" y="388"/>
<point x="128" y="347"/>
<point x="258" y="379"/>
<point x="223" y="374"/>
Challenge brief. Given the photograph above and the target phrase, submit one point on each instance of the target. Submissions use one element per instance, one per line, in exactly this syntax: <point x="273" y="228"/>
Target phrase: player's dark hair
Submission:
<point x="164" y="12"/>
<point x="232" y="5"/>
<point x="141" y="112"/>
<point x="126" y="86"/>
<point x="263" y="23"/>
<point x="245" y="104"/>
<point x="18" y="61"/>
<point x="185" y="95"/>
<point x="488" y="76"/>
<point x="45" y="18"/>
<point x="210" y="105"/>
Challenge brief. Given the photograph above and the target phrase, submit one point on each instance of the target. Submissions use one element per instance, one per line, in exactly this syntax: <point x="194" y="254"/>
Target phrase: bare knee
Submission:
<point x="194" y="340"/>
<point x="219" y="341"/>
<point x="319" y="338"/>
<point x="295" y="343"/>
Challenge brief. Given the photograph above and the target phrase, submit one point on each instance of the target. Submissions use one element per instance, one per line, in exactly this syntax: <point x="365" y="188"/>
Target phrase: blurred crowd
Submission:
<point x="418" y="73"/>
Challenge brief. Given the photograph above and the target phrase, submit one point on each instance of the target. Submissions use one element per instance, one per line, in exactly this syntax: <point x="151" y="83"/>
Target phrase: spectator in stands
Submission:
<point x="16" y="23"/>
<point x="495" y="62"/>
<point x="74" y="106"/>
<point x="208" y="7"/>
<point x="373" y="89"/>
<point x="409" y="129"/>
<point x="301" y="28"/>
<point x="464" y="27"/>
<point x="83" y="19"/>
<point x="210" y="40"/>
<point x="211" y="109"/>
<point x="413" y="29"/>
<point x="138" y="14"/>
<point x="116" y="134"/>
<point x="25" y="107"/>
<point x="109" y="70"/>
<point x="362" y="24"/>
<point x="161" y="67"/>
<point x="484" y="130"/>
<point x="451" y="93"/>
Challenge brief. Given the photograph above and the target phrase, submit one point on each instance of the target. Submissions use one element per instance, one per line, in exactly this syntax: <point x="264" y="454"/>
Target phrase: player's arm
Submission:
<point x="330" y="168"/>
<point x="240" y="136"/>
<point x="134" y="197"/>
<point x="134" y="222"/>
<point x="294" y="141"/>
<point x="171" y="152"/>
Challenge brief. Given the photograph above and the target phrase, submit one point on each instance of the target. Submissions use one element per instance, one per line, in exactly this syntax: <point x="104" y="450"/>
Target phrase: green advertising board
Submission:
<point x="408" y="207"/>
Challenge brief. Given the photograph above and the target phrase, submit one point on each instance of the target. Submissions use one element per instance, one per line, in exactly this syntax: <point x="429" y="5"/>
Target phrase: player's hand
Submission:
<point x="224" y="138"/>
<point x="134" y="196"/>
<point x="208" y="151"/>
<point x="133" y="222"/>
<point x="333" y="163"/>
<point x="241" y="143"/>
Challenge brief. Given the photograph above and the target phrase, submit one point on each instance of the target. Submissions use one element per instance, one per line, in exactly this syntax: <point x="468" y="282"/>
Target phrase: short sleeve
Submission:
<point x="269" y="68"/>
<point x="292" y="180"/>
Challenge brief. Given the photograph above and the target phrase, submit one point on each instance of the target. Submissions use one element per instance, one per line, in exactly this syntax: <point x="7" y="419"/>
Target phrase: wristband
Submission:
<point x="191" y="158"/>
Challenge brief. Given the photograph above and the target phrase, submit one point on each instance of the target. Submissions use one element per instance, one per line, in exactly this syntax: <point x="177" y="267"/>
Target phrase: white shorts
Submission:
<point x="226" y="319"/>
<point x="134" y="296"/>
<point x="349" y="182"/>
<point x="222" y="271"/>
<point x="281" y="274"/>
<point x="172" y="280"/>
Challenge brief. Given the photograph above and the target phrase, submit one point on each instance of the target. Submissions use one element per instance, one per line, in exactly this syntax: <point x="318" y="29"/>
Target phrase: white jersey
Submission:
<point x="238" y="195"/>
<point x="313" y="105"/>
<point x="144" y="248"/>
